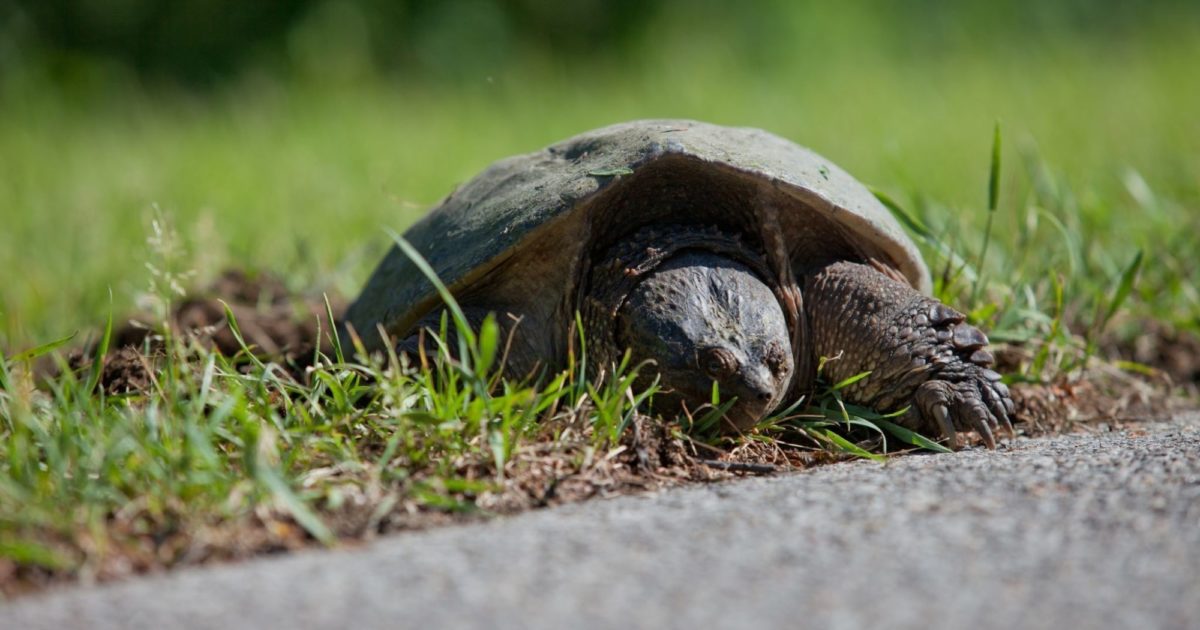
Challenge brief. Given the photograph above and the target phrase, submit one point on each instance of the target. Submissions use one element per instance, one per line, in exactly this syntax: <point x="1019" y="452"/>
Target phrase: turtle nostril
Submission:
<point x="764" y="396"/>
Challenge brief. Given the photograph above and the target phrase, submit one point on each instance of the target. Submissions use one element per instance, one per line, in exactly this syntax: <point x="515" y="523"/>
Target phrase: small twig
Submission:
<point x="758" y="469"/>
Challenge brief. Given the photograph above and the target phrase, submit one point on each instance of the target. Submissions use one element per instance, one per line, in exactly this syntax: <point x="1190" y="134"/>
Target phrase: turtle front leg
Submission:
<point x="919" y="352"/>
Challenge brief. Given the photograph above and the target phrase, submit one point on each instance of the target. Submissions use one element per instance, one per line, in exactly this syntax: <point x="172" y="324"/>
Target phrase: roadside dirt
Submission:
<point x="283" y="328"/>
<point x="273" y="323"/>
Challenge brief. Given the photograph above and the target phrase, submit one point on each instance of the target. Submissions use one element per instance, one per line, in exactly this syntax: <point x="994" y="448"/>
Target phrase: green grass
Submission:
<point x="90" y="479"/>
<point x="305" y="175"/>
<point x="93" y="482"/>
<point x="1083" y="221"/>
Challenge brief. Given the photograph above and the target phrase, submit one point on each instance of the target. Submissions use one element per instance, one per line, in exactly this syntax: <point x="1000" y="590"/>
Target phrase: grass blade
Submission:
<point x="850" y="447"/>
<point x="994" y="171"/>
<point x="101" y="350"/>
<point x="1124" y="288"/>
<point x="335" y="338"/>
<point x="45" y="348"/>
<point x="909" y="221"/>
<point x="847" y="382"/>
<point x="296" y="506"/>
<point x="466" y="336"/>
<point x="993" y="202"/>
<point x="925" y="235"/>
<point x="909" y="436"/>
<point x="231" y="321"/>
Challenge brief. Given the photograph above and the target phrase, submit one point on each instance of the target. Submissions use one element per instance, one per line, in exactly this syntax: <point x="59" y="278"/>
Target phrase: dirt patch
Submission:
<point x="1152" y="374"/>
<point x="273" y="324"/>
<point x="1163" y="347"/>
<point x="1096" y="403"/>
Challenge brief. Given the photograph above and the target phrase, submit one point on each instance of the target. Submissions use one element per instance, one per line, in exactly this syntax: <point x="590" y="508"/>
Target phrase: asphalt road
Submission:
<point x="1095" y="531"/>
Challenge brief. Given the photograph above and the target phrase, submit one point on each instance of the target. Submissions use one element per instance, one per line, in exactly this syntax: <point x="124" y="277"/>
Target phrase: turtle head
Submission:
<point x="703" y="318"/>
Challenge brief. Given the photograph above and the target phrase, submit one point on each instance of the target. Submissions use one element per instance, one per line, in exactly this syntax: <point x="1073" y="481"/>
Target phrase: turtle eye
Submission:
<point x="776" y="358"/>
<point x="718" y="363"/>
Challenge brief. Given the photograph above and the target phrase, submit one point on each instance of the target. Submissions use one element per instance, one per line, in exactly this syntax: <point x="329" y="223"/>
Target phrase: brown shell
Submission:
<point x="522" y="228"/>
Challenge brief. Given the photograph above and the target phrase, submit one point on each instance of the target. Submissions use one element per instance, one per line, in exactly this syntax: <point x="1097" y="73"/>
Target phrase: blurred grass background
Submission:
<point x="285" y="134"/>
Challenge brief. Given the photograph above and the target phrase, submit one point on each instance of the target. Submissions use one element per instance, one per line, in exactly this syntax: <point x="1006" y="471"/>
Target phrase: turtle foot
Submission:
<point x="919" y="353"/>
<point x="974" y="400"/>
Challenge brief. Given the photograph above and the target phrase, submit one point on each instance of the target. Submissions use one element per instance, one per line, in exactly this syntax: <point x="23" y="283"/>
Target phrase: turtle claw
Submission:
<point x="1000" y="404"/>
<point x="942" y="415"/>
<point x="982" y="421"/>
<point x="964" y="401"/>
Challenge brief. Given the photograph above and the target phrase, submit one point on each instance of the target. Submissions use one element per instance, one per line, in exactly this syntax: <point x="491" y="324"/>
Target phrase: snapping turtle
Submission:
<point x="719" y="254"/>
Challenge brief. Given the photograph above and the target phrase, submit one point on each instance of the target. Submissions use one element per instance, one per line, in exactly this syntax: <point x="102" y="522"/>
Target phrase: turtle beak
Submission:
<point x="757" y="394"/>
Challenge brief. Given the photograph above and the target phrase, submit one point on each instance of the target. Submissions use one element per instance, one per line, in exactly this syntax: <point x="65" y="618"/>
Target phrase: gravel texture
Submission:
<point x="1090" y="531"/>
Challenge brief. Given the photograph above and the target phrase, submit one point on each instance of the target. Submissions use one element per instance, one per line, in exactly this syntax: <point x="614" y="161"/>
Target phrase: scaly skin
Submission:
<point x="918" y="351"/>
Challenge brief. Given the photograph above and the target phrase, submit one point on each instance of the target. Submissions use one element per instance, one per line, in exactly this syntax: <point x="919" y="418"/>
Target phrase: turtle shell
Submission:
<point x="522" y="232"/>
